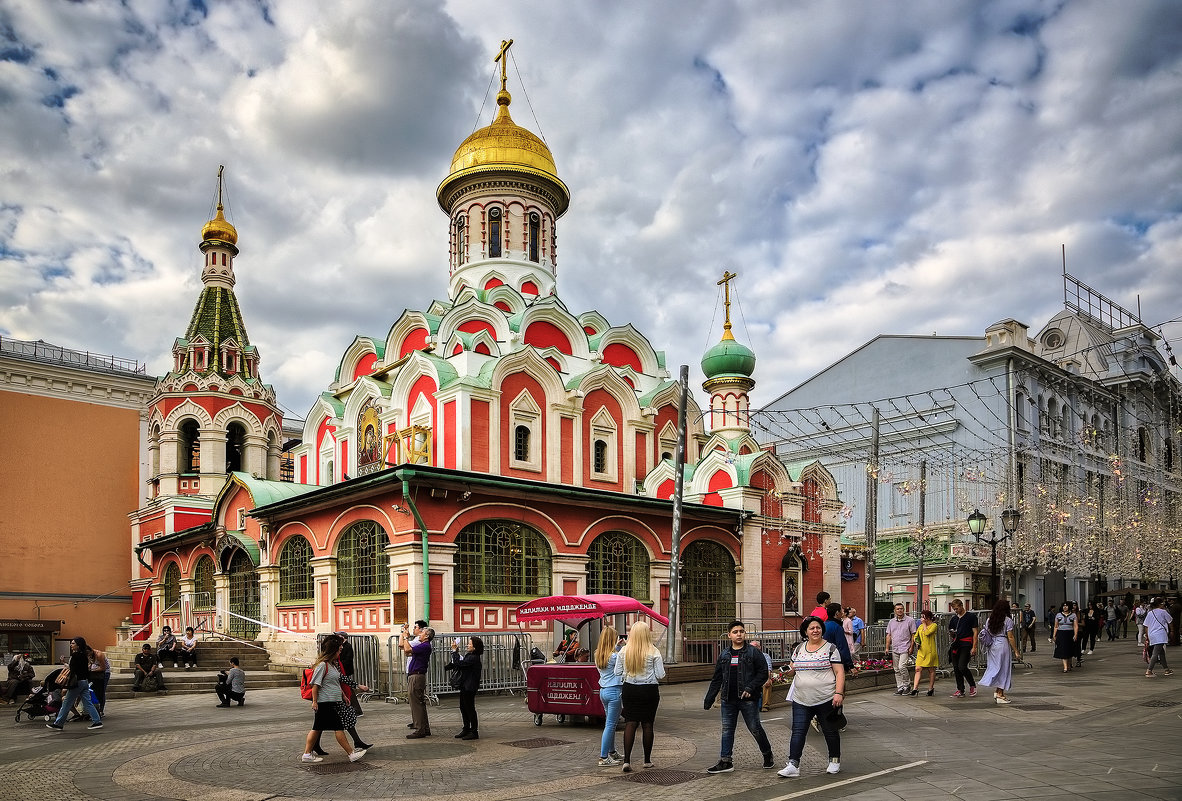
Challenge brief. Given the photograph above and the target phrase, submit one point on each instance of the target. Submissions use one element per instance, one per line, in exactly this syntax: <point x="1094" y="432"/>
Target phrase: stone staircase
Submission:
<point x="212" y="657"/>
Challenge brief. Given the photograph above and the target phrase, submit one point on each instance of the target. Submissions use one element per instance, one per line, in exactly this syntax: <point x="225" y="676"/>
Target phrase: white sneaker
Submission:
<point x="357" y="754"/>
<point x="834" y="767"/>
<point x="311" y="758"/>
<point x="790" y="771"/>
<point x="1091" y="652"/>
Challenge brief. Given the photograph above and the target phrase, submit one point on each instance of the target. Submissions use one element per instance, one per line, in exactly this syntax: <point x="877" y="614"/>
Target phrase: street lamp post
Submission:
<point x="1009" y="523"/>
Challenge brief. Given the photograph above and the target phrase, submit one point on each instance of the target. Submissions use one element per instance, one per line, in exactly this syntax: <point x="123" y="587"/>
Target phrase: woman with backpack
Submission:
<point x="328" y="701"/>
<point x="818" y="691"/>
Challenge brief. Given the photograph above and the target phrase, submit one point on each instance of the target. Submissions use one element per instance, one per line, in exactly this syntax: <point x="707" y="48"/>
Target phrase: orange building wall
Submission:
<point x="69" y="475"/>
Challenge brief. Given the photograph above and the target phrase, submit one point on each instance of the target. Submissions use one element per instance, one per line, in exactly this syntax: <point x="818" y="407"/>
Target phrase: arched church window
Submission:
<point x="295" y="570"/>
<point x="461" y="239"/>
<point x="535" y="227"/>
<point x="618" y="565"/>
<point x="235" y="447"/>
<point x="362" y="566"/>
<point x="172" y="586"/>
<point x="502" y="557"/>
<point x="708" y="583"/>
<point x="521" y="443"/>
<point x="494" y="232"/>
<point x="190" y="447"/>
<point x="600" y="456"/>
<point x="203" y="584"/>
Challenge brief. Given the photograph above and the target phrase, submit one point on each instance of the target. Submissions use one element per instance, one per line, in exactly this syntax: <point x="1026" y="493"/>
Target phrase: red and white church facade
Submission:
<point x="492" y="447"/>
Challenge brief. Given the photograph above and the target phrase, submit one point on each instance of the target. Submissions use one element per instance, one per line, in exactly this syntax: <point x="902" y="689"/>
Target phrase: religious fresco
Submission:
<point x="369" y="440"/>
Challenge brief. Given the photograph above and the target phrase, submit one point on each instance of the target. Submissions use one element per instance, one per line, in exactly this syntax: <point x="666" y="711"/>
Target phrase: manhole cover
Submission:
<point x="338" y="767"/>
<point x="1037" y="707"/>
<point x="664" y="778"/>
<point x="1161" y="703"/>
<point x="537" y="742"/>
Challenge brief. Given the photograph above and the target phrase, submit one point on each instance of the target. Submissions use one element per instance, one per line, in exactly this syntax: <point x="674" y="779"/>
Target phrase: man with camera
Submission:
<point x="417" y="645"/>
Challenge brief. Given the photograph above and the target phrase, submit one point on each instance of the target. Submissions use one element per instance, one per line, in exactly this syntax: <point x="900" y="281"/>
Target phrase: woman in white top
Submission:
<point x="1066" y="631"/>
<point x="1157" y="627"/>
<point x="188" y="649"/>
<point x="641" y="666"/>
<point x="818" y="690"/>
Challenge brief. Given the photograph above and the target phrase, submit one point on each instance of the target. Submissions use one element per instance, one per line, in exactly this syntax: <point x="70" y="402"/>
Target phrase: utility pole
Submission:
<point x="675" y="550"/>
<point x="872" y="515"/>
<point x="923" y="541"/>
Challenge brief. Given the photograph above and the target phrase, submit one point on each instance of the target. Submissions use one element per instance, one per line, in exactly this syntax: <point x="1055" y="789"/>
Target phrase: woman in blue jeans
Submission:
<point x="818" y="690"/>
<point x="76" y="678"/>
<point x="610" y="643"/>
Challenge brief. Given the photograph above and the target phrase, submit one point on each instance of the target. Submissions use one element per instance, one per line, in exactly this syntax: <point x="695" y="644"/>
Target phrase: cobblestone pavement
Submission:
<point x="1055" y="741"/>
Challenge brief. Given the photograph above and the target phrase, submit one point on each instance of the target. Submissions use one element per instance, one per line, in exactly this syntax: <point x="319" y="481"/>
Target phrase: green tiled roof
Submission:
<point x="217" y="318"/>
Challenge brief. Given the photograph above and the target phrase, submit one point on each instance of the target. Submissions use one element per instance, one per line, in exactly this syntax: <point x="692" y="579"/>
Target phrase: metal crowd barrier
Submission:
<point x="367" y="664"/>
<point x="500" y="663"/>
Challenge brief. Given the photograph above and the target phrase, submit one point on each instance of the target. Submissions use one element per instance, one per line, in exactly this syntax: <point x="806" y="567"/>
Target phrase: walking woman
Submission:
<point x="818" y="690"/>
<point x="998" y="640"/>
<point x="641" y="667"/>
<point x="1066" y="631"/>
<point x="100" y="676"/>
<point x="928" y="656"/>
<point x="76" y="679"/>
<point x="1157" y="627"/>
<point x="327" y="700"/>
<point x="1091" y="627"/>
<point x="606" y="656"/>
<point x="468" y="668"/>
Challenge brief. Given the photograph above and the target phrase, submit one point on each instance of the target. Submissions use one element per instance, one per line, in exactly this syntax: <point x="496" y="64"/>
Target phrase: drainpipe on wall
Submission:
<point x="414" y="510"/>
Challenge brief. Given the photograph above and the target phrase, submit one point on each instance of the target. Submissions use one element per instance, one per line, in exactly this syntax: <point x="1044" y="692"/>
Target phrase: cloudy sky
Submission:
<point x="865" y="168"/>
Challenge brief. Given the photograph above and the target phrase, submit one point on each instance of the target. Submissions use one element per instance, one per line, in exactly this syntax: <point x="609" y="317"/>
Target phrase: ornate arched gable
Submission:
<point x="361" y="348"/>
<point x="185" y="409"/>
<point x="414" y="329"/>
<point x="606" y="378"/>
<point x="326" y="407"/>
<point x="662" y="472"/>
<point x="550" y="310"/>
<point x="826" y="483"/>
<point x="367" y="389"/>
<point x="532" y="363"/>
<point x="711" y="463"/>
<point x="628" y="337"/>
<point x="471" y="343"/>
<point x="594" y="321"/>
<point x="508" y="296"/>
<point x="742" y="443"/>
<point x="473" y="310"/>
<point x="416" y="367"/>
<point x="236" y="412"/>
<point x="766" y="462"/>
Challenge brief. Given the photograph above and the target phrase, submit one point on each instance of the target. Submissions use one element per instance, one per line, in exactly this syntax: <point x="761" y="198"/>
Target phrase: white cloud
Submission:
<point x="864" y="170"/>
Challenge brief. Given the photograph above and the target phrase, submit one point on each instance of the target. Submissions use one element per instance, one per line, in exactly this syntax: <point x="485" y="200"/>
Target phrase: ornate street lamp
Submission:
<point x="1009" y="523"/>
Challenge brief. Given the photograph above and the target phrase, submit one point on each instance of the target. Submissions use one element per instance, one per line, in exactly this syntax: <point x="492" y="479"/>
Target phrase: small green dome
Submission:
<point x="728" y="358"/>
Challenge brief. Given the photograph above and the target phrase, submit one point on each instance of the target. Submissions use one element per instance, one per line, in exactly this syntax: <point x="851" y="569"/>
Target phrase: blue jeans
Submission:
<point x="82" y="689"/>
<point x="612" y="702"/>
<point x="730" y="717"/>
<point x="801" y="715"/>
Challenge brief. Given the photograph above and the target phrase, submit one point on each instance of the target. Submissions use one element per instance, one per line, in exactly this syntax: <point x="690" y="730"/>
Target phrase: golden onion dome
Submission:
<point x="219" y="229"/>
<point x="504" y="145"/>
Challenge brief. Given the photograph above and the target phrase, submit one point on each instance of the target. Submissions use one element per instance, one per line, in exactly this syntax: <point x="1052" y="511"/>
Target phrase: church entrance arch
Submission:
<point x="708" y="584"/>
<point x="244" y="596"/>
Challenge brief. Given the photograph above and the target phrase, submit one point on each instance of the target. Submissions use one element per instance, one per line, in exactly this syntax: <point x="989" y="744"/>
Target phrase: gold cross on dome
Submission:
<point x="725" y="283"/>
<point x="501" y="57"/>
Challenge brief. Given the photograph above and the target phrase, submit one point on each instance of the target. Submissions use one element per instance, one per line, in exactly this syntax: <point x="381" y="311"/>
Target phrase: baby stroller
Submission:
<point x="44" y="701"/>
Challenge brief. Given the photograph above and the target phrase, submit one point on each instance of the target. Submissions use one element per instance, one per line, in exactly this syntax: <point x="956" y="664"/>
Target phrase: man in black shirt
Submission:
<point x="145" y="666"/>
<point x="739" y="673"/>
